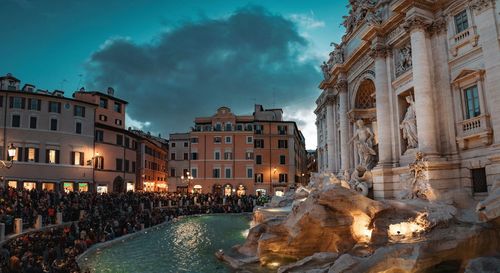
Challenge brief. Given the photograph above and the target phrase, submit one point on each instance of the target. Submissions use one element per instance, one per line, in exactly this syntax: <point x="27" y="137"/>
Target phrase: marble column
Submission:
<point x="379" y="53"/>
<point x="422" y="84"/>
<point x="343" y="124"/>
<point x="330" y="141"/>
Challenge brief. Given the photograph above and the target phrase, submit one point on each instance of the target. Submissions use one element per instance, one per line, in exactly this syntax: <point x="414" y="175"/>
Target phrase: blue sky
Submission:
<point x="193" y="55"/>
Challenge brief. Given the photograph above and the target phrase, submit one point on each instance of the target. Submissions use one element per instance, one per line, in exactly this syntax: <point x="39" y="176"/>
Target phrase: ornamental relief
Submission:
<point x="402" y="60"/>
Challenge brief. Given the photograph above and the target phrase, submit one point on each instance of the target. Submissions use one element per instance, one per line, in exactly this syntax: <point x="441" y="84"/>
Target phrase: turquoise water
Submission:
<point x="185" y="246"/>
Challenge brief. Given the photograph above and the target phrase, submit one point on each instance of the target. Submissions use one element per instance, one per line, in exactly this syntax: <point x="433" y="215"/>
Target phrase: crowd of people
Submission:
<point x="92" y="218"/>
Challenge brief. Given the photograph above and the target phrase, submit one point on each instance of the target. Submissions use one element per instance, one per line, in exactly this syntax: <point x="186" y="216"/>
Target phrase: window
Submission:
<point x="259" y="129"/>
<point x="186" y="156"/>
<point x="172" y="156"/>
<point x="186" y="144"/>
<point x="54" y="107"/>
<point x="133" y="166"/>
<point x="34" y="104"/>
<point x="229" y="127"/>
<point x="228" y="172"/>
<point x="17" y="102"/>
<point x="258" y="159"/>
<point x="172" y="172"/>
<point x="185" y="172"/>
<point x="249" y="172"/>
<point x="217" y="139"/>
<point x="194" y="172"/>
<point x="77" y="158"/>
<point x="103" y="118"/>
<point x="249" y="139"/>
<point x="239" y="127"/>
<point x="103" y="103"/>
<point x="118" y="107"/>
<point x="228" y="139"/>
<point x="78" y="128"/>
<point x="194" y="140"/>
<point x="461" y="22"/>
<point x="259" y="177"/>
<point x="119" y="140"/>
<point x="479" y="180"/>
<point x="99" y="163"/>
<point x="282" y="143"/>
<point x="32" y="154"/>
<point x="173" y="145"/>
<point x="119" y="164"/>
<point x="282" y="160"/>
<point x="16" y="121"/>
<point x="79" y="111"/>
<point x="194" y="156"/>
<point x="472" y="108"/>
<point x="283" y="177"/>
<point x="249" y="155"/>
<point x="33" y="122"/>
<point x="52" y="156"/>
<point x="127" y="163"/>
<point x="127" y="142"/>
<point x="258" y="143"/>
<point x="53" y="124"/>
<point x="282" y="129"/>
<point x="99" y="135"/>
<point x="228" y="155"/>
<point x="248" y="127"/>
<point x="218" y="127"/>
<point x="118" y="121"/>
<point x="217" y="155"/>
<point x="216" y="173"/>
<point x="134" y="144"/>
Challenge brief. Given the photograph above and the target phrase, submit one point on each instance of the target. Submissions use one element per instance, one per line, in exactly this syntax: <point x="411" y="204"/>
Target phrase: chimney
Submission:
<point x="82" y="89"/>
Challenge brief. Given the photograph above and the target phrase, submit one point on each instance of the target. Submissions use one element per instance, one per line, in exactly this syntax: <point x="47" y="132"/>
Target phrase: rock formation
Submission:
<point x="329" y="228"/>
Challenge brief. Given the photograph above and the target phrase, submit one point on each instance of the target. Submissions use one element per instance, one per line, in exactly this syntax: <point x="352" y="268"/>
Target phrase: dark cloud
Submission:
<point x="195" y="67"/>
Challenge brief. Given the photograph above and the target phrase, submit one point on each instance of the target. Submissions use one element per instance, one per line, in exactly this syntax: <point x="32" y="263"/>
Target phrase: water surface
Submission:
<point x="185" y="246"/>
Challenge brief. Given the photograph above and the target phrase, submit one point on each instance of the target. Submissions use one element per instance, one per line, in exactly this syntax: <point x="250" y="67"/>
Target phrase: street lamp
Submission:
<point x="187" y="178"/>
<point x="11" y="150"/>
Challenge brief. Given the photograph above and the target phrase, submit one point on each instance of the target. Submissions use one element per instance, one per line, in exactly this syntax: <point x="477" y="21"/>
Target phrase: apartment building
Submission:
<point x="179" y="162"/>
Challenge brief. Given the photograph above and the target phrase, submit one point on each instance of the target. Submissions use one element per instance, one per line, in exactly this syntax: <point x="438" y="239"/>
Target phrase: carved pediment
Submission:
<point x="467" y="74"/>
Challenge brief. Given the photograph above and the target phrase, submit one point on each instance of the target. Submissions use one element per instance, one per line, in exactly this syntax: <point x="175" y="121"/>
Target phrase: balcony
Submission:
<point x="462" y="39"/>
<point x="474" y="132"/>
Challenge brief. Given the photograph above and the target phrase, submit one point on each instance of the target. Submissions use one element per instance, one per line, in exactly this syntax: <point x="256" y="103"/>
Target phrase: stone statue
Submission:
<point x="361" y="180"/>
<point x="324" y="68"/>
<point x="409" y="125"/>
<point x="418" y="185"/>
<point x="363" y="139"/>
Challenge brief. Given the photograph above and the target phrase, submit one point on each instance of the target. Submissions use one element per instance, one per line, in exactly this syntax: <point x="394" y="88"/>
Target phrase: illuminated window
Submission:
<point x="32" y="154"/>
<point x="52" y="156"/>
<point x="259" y="177"/>
<point x="29" y="185"/>
<point x="12" y="184"/>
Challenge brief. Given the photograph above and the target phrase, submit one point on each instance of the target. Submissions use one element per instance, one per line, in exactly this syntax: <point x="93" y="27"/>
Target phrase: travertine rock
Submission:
<point x="319" y="262"/>
<point x="483" y="265"/>
<point x="489" y="209"/>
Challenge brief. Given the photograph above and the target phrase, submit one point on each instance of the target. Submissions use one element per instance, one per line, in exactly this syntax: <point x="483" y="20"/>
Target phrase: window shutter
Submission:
<point x="72" y="158"/>
<point x="11" y="102"/>
<point x="26" y="153"/>
<point x="47" y="156"/>
<point x="59" y="107"/>
<point x="37" y="154"/>
<point x="29" y="104"/>
<point x="83" y="111"/>
<point x="81" y="159"/>
<point x="23" y="102"/>
<point x="20" y="154"/>
<point x="39" y="106"/>
<point x="74" y="110"/>
<point x="57" y="156"/>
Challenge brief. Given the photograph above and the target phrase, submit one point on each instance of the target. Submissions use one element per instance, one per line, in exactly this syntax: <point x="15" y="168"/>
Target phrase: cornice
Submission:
<point x="479" y="6"/>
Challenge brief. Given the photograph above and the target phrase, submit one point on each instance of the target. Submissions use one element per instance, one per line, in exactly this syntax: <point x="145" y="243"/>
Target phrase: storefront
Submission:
<point x="68" y="187"/>
<point x="29" y="185"/>
<point x="148" y="186"/>
<point x="48" y="186"/>
<point x="228" y="189"/>
<point x="102" y="188"/>
<point x="83" y="186"/>
<point x="130" y="186"/>
<point x="12" y="184"/>
<point x="241" y="190"/>
<point x="260" y="192"/>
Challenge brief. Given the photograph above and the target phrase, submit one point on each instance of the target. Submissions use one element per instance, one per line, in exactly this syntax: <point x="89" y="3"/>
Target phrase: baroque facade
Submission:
<point x="413" y="76"/>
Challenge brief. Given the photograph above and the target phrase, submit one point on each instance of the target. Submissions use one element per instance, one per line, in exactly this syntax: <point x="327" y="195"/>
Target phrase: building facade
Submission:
<point x="414" y="76"/>
<point x="245" y="154"/>
<point x="179" y="162"/>
<point x="77" y="143"/>
<point x="54" y="137"/>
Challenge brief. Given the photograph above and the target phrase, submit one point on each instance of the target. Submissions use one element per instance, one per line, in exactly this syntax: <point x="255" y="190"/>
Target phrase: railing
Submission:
<point x="462" y="39"/>
<point x="473" y="126"/>
<point x="462" y="35"/>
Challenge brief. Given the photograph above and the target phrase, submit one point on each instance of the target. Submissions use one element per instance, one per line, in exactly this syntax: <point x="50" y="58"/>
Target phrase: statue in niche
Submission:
<point x="363" y="139"/>
<point x="418" y="186"/>
<point x="409" y="125"/>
